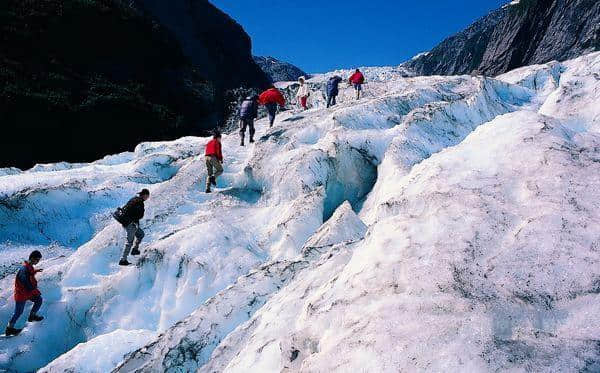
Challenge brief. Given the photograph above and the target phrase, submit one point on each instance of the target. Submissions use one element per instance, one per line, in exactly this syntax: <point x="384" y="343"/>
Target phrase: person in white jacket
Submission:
<point x="303" y="93"/>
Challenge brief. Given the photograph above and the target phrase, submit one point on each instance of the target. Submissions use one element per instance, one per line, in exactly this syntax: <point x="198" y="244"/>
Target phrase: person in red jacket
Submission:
<point x="270" y="98"/>
<point x="357" y="80"/>
<point x="26" y="290"/>
<point x="214" y="160"/>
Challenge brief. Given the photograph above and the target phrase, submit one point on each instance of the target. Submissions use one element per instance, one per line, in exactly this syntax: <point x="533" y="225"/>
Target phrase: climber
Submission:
<point x="303" y="93"/>
<point x="357" y="80"/>
<point x="248" y="112"/>
<point x="214" y="160"/>
<point x="129" y="216"/>
<point x="270" y="98"/>
<point x="26" y="290"/>
<point x="333" y="89"/>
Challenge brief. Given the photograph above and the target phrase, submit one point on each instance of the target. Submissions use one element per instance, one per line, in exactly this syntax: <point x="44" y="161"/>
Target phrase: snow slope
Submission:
<point x="439" y="224"/>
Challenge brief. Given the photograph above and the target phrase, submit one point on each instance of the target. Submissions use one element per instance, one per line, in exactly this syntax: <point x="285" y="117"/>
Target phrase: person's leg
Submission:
<point x="242" y="131"/>
<point x="19" y="307"/>
<point x="37" y="304"/>
<point x="272" y="110"/>
<point x="328" y="101"/>
<point x="303" y="101"/>
<point x="218" y="167"/>
<point x="252" y="129"/>
<point x="209" y="171"/>
<point x="139" y="236"/>
<point x="130" y="229"/>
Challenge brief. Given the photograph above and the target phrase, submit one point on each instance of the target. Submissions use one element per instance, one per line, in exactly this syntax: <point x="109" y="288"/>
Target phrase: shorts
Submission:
<point x="357" y="86"/>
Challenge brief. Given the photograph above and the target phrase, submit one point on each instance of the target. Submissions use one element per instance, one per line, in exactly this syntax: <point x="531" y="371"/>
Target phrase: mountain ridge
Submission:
<point x="86" y="78"/>
<point x="518" y="34"/>
<point x="279" y="71"/>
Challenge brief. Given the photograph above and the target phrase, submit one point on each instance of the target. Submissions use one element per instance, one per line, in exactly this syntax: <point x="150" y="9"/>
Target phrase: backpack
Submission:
<point x="120" y="215"/>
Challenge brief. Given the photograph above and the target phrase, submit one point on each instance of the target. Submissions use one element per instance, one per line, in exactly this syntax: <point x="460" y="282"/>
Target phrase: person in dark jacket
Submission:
<point x="248" y="112"/>
<point x="271" y="98"/>
<point x="133" y="212"/>
<point x="213" y="155"/>
<point x="333" y="89"/>
<point x="26" y="290"/>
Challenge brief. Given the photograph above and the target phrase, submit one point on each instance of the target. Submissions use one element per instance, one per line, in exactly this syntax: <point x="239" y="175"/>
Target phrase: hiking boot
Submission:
<point x="135" y="252"/>
<point x="213" y="180"/>
<point x="207" y="190"/>
<point x="251" y="140"/>
<point x="242" y="142"/>
<point x="124" y="262"/>
<point x="12" y="331"/>
<point x="35" y="318"/>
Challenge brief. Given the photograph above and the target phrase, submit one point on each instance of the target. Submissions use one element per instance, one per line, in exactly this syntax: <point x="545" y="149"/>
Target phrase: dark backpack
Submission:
<point x="120" y="215"/>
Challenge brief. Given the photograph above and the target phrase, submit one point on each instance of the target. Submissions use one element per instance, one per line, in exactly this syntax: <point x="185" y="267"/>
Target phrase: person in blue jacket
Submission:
<point x="333" y="89"/>
<point x="248" y="112"/>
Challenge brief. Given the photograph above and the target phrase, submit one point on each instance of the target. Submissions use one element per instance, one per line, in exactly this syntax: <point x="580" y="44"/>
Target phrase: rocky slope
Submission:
<point x="523" y="32"/>
<point x="215" y="44"/>
<point x="82" y="79"/>
<point x="279" y="71"/>
<point x="447" y="214"/>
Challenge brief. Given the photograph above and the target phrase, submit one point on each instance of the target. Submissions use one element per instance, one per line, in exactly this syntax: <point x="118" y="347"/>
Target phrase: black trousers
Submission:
<point x="331" y="100"/>
<point x="247" y="123"/>
<point x="272" y="110"/>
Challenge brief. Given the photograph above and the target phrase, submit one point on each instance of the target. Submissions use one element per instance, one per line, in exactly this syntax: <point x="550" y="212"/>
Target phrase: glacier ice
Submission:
<point x="439" y="224"/>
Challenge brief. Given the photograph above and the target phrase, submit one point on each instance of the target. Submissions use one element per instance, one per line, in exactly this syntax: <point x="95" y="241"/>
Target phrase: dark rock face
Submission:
<point x="519" y="34"/>
<point x="215" y="44"/>
<point x="84" y="78"/>
<point x="279" y="71"/>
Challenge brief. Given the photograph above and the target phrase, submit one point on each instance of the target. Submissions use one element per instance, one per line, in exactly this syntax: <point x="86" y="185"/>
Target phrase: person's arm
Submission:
<point x="24" y="278"/>
<point x="219" y="152"/>
<point x="255" y="108"/>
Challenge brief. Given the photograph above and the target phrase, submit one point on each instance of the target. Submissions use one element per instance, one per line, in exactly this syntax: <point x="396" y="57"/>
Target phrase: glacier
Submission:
<point x="438" y="224"/>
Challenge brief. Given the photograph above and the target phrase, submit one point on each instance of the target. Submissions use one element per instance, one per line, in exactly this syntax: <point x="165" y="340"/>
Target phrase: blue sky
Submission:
<point x="322" y="35"/>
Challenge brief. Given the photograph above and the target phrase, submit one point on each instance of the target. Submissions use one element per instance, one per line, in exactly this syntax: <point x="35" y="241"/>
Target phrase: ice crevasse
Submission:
<point x="439" y="224"/>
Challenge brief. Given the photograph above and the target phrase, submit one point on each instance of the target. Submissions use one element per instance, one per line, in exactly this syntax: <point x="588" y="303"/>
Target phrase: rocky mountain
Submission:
<point x="441" y="223"/>
<point x="214" y="43"/>
<point x="521" y="33"/>
<point x="82" y="79"/>
<point x="279" y="71"/>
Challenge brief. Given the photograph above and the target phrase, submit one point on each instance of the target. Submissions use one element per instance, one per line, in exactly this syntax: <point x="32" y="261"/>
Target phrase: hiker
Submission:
<point x="130" y="216"/>
<point x="270" y="98"/>
<point x="214" y="160"/>
<point x="357" y="80"/>
<point x="333" y="89"/>
<point x="26" y="290"/>
<point x="303" y="93"/>
<point x="248" y="112"/>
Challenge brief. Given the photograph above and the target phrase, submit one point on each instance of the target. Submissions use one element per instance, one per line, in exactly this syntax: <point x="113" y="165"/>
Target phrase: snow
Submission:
<point x="439" y="224"/>
<point x="514" y="2"/>
<point x="419" y="55"/>
<point x="108" y="350"/>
